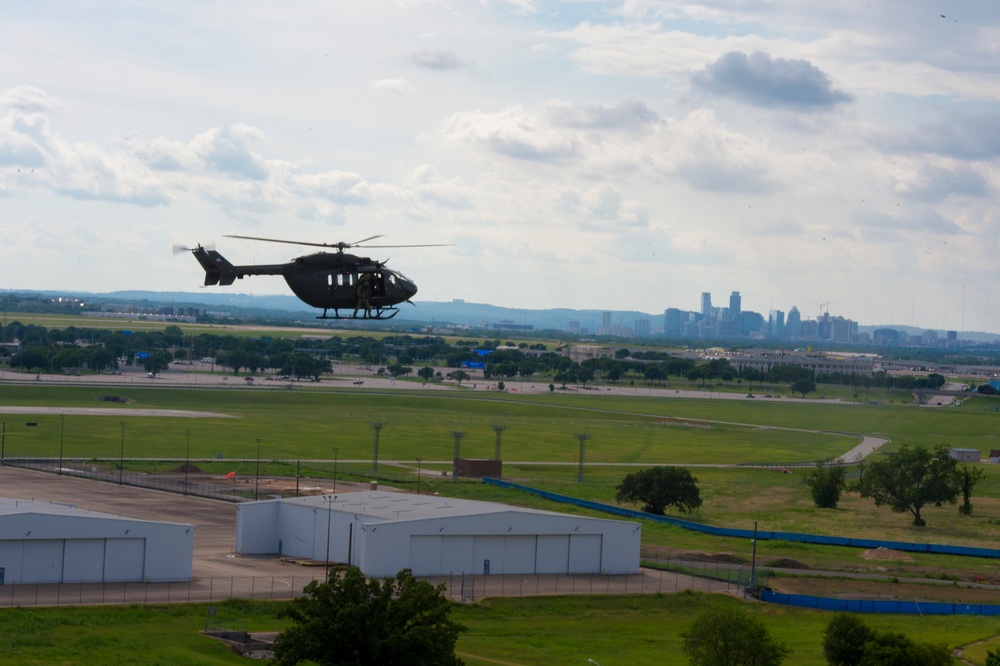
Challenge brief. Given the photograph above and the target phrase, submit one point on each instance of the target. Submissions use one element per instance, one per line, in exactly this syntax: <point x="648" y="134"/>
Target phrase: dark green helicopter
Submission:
<point x="328" y="280"/>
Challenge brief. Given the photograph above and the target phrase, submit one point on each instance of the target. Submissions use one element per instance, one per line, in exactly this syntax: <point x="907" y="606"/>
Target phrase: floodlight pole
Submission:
<point x="187" y="461"/>
<point x="376" y="426"/>
<point x="62" y="434"/>
<point x="419" y="460"/>
<point x="457" y="435"/>
<point x="121" y="455"/>
<point x="336" y="451"/>
<point x="256" y="485"/>
<point x="499" y="428"/>
<point x="583" y="437"/>
<point x="329" y="512"/>
<point x="3" y="442"/>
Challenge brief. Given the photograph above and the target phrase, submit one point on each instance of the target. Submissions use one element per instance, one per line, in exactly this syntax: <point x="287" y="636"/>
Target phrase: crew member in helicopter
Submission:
<point x="364" y="296"/>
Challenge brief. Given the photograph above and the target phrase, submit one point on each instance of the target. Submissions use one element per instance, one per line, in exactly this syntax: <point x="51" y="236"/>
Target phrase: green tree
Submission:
<point x="844" y="640"/>
<point x="353" y="620"/>
<point x="910" y="479"/>
<point x="727" y="635"/>
<point x="426" y="373"/>
<point x="826" y="482"/>
<point x="968" y="477"/>
<point x="992" y="658"/>
<point x="803" y="386"/>
<point x="157" y="361"/>
<point x="660" y="487"/>
<point x="897" y="649"/>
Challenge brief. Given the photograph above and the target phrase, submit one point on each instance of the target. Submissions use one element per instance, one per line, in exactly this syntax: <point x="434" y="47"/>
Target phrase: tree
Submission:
<point x="660" y="487"/>
<point x="426" y="373"/>
<point x="844" y="640"/>
<point x="910" y="479"/>
<point x="351" y="619"/>
<point x="968" y="477"/>
<point x="826" y="482"/>
<point x="727" y="635"/>
<point x="157" y="361"/>
<point x="803" y="386"/>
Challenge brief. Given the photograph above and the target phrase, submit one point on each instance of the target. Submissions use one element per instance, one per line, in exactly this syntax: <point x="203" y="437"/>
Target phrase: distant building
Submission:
<point x="643" y="328"/>
<point x="964" y="455"/>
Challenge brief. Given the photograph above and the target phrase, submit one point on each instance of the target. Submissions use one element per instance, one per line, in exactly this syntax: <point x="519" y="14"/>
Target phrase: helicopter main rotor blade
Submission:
<point x="339" y="246"/>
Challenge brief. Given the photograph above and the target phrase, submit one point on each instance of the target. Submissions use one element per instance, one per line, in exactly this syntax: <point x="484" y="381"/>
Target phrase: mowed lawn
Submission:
<point x="531" y="631"/>
<point x="305" y="424"/>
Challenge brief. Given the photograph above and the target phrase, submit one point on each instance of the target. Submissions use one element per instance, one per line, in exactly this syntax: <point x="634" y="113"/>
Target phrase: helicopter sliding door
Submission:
<point x="344" y="287"/>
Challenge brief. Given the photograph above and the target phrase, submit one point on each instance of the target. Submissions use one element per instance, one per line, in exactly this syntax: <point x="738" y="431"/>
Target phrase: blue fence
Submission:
<point x="882" y="606"/>
<point x="938" y="549"/>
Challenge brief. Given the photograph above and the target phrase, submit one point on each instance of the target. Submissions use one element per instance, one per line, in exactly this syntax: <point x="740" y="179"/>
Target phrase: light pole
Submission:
<point x="419" y="460"/>
<point x="336" y="452"/>
<point x="121" y="455"/>
<point x="256" y="485"/>
<point x="499" y="428"/>
<point x="329" y="512"/>
<point x="376" y="426"/>
<point x="62" y="434"/>
<point x="3" y="442"/>
<point x="583" y="437"/>
<point x="187" y="460"/>
<point x="457" y="435"/>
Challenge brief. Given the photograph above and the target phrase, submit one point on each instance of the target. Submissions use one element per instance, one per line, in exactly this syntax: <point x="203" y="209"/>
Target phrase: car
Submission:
<point x="359" y="382"/>
<point x="751" y="395"/>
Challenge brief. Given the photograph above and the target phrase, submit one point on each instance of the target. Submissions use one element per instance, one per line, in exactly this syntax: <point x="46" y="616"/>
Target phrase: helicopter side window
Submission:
<point x="345" y="279"/>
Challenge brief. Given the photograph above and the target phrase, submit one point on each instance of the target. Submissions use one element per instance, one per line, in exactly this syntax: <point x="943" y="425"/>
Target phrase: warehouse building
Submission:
<point x="42" y="542"/>
<point x="383" y="532"/>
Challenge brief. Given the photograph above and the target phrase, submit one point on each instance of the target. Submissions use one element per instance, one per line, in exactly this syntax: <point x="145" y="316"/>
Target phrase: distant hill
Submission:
<point x="421" y="314"/>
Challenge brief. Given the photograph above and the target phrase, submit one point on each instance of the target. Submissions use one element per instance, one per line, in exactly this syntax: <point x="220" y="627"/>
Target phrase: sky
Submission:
<point x="624" y="155"/>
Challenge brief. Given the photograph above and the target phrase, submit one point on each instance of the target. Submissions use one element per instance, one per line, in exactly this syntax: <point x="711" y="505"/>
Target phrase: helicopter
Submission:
<point x="329" y="280"/>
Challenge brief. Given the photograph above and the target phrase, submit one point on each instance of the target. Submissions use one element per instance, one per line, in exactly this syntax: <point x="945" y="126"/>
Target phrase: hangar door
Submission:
<point x="495" y="554"/>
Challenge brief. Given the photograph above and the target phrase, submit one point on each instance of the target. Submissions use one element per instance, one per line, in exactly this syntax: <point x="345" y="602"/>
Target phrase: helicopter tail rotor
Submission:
<point x="180" y="248"/>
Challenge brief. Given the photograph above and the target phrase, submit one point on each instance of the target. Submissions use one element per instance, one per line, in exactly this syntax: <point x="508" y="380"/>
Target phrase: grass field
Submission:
<point x="541" y="429"/>
<point x="638" y="630"/>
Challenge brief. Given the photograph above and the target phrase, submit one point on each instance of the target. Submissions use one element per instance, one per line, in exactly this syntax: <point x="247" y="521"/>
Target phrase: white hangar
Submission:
<point x="383" y="532"/>
<point x="42" y="542"/>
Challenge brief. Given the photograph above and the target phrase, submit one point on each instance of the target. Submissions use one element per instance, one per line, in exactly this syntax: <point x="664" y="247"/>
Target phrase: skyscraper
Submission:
<point x="706" y="304"/>
<point x="734" y="305"/>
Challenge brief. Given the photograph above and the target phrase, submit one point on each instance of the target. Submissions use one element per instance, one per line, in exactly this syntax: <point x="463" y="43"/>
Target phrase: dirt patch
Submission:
<point x="885" y="554"/>
<point x="187" y="468"/>
<point x="788" y="563"/>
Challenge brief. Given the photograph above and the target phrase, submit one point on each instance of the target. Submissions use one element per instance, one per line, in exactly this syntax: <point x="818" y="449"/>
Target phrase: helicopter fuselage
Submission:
<point x="331" y="281"/>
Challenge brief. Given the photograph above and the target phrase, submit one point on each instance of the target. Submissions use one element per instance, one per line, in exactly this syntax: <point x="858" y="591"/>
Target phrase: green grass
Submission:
<point x="308" y="424"/>
<point x="641" y="630"/>
<point x="147" y="635"/>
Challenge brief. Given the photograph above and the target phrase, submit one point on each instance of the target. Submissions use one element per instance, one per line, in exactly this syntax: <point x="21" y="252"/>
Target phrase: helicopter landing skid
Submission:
<point x="374" y="313"/>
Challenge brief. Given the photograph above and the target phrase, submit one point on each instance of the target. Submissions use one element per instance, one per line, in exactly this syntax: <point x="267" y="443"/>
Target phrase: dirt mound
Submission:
<point x="885" y="554"/>
<point x="189" y="468"/>
<point x="788" y="563"/>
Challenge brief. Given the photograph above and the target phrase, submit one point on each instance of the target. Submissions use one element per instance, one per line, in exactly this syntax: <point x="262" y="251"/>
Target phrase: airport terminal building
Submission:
<point x="383" y="532"/>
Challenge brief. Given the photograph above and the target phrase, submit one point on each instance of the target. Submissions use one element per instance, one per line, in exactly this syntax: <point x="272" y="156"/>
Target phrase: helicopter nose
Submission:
<point x="409" y="288"/>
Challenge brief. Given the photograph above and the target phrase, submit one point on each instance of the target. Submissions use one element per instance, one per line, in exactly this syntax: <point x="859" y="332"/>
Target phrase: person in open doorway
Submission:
<point x="364" y="296"/>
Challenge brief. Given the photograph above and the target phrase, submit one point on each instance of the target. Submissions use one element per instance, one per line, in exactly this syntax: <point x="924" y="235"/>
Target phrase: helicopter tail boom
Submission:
<point x="218" y="270"/>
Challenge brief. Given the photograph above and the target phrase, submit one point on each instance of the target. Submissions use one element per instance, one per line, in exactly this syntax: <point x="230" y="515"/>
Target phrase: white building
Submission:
<point x="383" y="532"/>
<point x="42" y="542"/>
